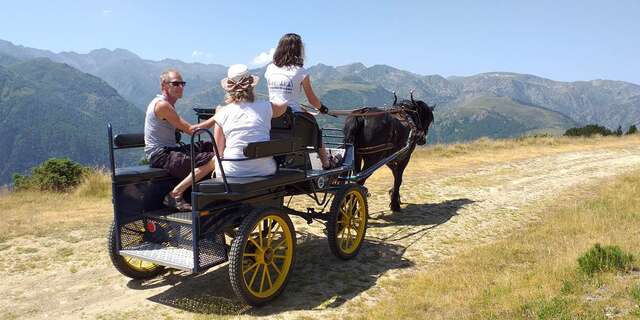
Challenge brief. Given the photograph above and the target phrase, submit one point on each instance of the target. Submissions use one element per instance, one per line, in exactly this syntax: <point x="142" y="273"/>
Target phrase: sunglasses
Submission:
<point x="177" y="83"/>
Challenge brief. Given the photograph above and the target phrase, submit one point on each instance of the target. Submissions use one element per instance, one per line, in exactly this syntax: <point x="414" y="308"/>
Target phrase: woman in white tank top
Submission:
<point x="287" y="78"/>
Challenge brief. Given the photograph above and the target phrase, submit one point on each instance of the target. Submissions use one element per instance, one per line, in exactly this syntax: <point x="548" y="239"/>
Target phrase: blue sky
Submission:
<point x="561" y="40"/>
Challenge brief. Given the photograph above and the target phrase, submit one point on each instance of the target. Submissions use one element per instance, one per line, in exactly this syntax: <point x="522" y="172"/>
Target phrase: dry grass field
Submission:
<point x="489" y="230"/>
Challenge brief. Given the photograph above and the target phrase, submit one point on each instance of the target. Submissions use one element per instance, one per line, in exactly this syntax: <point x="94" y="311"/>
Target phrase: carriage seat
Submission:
<point x="252" y="184"/>
<point x="140" y="173"/>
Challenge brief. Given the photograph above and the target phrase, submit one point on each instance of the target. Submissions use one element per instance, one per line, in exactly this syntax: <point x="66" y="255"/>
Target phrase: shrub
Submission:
<point x="607" y="258"/>
<point x="588" y="131"/>
<point x="632" y="130"/>
<point x="55" y="174"/>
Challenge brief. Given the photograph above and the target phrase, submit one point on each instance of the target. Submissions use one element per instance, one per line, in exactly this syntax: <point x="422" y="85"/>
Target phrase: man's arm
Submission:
<point x="165" y="111"/>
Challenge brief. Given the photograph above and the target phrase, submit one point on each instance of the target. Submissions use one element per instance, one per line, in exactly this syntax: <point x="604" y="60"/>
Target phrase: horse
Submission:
<point x="376" y="134"/>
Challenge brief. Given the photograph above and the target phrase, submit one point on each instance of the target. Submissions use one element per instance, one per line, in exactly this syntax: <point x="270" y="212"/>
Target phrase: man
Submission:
<point x="160" y="123"/>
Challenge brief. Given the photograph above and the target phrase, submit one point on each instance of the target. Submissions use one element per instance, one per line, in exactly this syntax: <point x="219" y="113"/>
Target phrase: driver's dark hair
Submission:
<point x="290" y="51"/>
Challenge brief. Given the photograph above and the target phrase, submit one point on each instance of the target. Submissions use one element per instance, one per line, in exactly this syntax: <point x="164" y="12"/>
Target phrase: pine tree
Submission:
<point x="632" y="130"/>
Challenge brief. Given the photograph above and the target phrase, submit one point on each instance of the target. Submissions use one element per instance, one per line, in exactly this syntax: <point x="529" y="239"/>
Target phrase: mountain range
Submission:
<point x="116" y="85"/>
<point x="50" y="109"/>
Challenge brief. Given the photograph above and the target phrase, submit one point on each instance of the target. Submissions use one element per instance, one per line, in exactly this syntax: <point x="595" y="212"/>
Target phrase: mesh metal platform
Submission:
<point x="179" y="217"/>
<point x="211" y="254"/>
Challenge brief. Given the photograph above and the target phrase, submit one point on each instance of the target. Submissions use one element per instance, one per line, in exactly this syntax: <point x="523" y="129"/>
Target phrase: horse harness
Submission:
<point x="400" y="113"/>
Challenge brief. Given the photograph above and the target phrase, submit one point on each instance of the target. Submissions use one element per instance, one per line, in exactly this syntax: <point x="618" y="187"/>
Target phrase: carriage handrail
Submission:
<point x="194" y="183"/>
<point x="373" y="168"/>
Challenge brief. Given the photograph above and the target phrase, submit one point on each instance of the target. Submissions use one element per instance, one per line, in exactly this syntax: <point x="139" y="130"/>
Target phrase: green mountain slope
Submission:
<point x="495" y="117"/>
<point x="50" y="109"/>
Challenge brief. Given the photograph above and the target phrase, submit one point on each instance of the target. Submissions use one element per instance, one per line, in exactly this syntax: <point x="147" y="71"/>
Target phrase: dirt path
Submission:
<point x="73" y="277"/>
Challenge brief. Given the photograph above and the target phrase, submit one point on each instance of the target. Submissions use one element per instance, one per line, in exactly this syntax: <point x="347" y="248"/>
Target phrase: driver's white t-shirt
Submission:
<point x="241" y="124"/>
<point x="285" y="84"/>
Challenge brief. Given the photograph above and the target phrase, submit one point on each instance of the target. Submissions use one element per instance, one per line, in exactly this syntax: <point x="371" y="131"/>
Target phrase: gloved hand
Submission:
<point x="323" y="109"/>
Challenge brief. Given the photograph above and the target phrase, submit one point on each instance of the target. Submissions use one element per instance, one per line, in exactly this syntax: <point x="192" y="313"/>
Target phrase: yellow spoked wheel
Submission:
<point x="347" y="223"/>
<point x="128" y="266"/>
<point x="262" y="256"/>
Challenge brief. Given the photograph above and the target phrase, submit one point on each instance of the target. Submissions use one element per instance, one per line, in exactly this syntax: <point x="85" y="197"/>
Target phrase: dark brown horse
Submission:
<point x="377" y="134"/>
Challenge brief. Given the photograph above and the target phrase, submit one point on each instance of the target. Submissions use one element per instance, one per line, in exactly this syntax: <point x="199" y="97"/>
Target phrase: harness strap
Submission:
<point x="353" y="112"/>
<point x="376" y="148"/>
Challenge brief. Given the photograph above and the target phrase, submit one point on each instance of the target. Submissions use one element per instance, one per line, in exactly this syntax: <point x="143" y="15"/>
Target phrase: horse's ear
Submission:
<point x="433" y="108"/>
<point x="395" y="98"/>
<point x="411" y="94"/>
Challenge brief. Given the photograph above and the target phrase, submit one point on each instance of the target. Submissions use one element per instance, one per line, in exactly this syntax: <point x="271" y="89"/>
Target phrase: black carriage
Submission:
<point x="244" y="221"/>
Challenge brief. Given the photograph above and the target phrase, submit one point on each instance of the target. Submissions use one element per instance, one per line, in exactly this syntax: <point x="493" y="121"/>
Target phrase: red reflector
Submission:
<point x="151" y="226"/>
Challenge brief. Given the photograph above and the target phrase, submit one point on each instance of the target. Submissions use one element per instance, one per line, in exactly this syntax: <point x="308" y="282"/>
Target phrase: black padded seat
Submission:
<point x="251" y="184"/>
<point x="140" y="173"/>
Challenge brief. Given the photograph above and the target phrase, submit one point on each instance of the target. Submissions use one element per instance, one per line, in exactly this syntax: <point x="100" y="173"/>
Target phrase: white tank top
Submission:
<point x="285" y="84"/>
<point x="158" y="133"/>
<point x="241" y="124"/>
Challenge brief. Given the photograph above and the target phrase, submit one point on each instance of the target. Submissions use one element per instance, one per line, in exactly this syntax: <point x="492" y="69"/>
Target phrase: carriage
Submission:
<point x="243" y="221"/>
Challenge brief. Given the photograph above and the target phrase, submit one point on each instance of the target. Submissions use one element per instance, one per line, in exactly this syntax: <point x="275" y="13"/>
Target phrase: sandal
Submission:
<point x="177" y="203"/>
<point x="334" y="162"/>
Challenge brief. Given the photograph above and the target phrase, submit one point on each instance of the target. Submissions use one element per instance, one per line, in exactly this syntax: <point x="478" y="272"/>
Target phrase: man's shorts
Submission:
<point x="177" y="160"/>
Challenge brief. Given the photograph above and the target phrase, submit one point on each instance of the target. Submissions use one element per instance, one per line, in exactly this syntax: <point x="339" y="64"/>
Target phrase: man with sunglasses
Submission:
<point x="160" y="125"/>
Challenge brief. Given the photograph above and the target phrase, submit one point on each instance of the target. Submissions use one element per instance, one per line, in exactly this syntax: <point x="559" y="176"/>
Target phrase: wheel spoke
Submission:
<point x="250" y="268"/>
<point x="277" y="247"/>
<point x="253" y="278"/>
<point x="279" y="256"/>
<point x="273" y="235"/>
<point x="276" y="268"/>
<point x="264" y="270"/>
<point x="260" y="233"/>
<point x="268" y="276"/>
<point x="255" y="243"/>
<point x="266" y="224"/>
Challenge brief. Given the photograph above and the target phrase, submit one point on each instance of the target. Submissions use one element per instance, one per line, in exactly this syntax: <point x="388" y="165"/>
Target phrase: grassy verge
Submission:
<point x="39" y="213"/>
<point x="533" y="274"/>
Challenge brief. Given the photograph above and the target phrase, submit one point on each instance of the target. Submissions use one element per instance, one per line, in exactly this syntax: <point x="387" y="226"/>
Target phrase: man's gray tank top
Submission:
<point x="158" y="133"/>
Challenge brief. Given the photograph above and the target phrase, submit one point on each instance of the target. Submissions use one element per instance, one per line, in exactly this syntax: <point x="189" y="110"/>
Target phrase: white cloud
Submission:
<point x="263" y="58"/>
<point x="107" y="12"/>
<point x="200" y="55"/>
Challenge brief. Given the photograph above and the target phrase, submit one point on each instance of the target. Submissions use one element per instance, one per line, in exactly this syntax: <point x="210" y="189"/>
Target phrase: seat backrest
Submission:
<point x="128" y="140"/>
<point x="136" y="140"/>
<point x="299" y="126"/>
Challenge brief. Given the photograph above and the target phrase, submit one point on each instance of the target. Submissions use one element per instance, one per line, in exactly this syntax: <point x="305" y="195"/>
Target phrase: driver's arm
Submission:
<point x="165" y="111"/>
<point x="279" y="108"/>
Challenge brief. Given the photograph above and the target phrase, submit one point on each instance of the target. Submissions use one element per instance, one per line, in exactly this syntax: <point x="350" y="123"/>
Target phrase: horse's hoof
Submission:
<point x="395" y="208"/>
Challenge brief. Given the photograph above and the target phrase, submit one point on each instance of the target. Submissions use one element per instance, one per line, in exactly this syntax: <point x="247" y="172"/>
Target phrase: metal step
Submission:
<point x="211" y="254"/>
<point x="169" y="215"/>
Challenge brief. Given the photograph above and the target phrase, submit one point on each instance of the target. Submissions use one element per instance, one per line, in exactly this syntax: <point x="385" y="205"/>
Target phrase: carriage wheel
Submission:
<point x="128" y="266"/>
<point x="262" y="256"/>
<point x="347" y="223"/>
